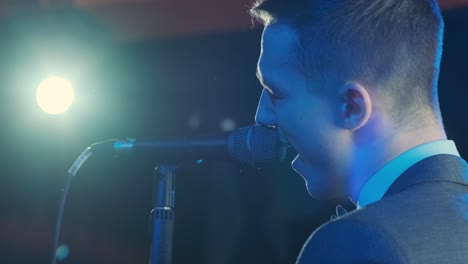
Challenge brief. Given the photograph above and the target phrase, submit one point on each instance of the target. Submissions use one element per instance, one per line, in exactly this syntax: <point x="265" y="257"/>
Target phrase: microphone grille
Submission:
<point x="256" y="146"/>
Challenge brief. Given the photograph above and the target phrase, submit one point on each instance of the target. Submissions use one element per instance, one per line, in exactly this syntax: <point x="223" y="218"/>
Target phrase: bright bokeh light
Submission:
<point x="62" y="252"/>
<point x="55" y="95"/>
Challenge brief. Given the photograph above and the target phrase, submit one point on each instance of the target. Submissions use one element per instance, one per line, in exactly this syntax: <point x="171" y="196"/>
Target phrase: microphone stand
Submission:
<point x="162" y="215"/>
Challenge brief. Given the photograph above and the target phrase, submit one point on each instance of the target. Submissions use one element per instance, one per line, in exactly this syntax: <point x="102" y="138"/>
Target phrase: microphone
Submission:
<point x="254" y="145"/>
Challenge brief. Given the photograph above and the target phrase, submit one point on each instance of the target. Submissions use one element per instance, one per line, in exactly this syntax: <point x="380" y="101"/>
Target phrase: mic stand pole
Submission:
<point x="162" y="215"/>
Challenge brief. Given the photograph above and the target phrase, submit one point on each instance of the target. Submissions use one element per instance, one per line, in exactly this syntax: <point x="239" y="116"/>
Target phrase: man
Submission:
<point x="352" y="84"/>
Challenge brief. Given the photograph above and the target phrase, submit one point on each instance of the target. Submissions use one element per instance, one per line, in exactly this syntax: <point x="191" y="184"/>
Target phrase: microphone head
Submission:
<point x="257" y="146"/>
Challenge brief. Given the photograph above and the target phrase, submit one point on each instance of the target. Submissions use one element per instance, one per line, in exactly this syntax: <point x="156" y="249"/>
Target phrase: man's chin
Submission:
<point x="318" y="186"/>
<point x="322" y="194"/>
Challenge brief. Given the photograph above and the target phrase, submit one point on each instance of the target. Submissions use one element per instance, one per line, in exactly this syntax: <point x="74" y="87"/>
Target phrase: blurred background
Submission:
<point x="164" y="68"/>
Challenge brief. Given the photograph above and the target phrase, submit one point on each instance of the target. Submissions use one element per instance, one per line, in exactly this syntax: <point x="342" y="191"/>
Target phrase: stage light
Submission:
<point x="227" y="124"/>
<point x="194" y="121"/>
<point x="55" y="95"/>
<point x="62" y="252"/>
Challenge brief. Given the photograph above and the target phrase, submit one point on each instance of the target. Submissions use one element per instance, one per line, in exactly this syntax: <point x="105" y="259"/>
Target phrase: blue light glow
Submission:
<point x="62" y="252"/>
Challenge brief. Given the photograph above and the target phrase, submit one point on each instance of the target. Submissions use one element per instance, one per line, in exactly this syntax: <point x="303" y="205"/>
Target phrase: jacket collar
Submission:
<point x="380" y="182"/>
<point x="442" y="167"/>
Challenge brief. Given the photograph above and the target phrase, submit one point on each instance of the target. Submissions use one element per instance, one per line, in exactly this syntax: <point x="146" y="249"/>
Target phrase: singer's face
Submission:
<point x="292" y="103"/>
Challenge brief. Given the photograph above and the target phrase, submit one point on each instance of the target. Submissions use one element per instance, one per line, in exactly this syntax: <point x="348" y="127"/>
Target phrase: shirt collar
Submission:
<point x="378" y="184"/>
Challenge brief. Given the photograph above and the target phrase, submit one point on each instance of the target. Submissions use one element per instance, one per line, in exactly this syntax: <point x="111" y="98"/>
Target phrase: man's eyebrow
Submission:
<point x="259" y="76"/>
<point x="261" y="80"/>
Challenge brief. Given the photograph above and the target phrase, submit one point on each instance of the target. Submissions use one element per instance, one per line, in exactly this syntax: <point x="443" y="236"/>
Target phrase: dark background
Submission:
<point x="180" y="85"/>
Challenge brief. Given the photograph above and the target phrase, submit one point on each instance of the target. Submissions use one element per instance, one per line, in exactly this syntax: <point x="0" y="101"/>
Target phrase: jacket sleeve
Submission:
<point x="351" y="241"/>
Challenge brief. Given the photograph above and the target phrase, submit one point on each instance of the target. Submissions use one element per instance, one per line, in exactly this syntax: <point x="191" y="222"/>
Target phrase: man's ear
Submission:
<point x="356" y="106"/>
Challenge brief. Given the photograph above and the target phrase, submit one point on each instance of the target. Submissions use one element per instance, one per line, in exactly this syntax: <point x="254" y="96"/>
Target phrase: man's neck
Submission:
<point x="382" y="143"/>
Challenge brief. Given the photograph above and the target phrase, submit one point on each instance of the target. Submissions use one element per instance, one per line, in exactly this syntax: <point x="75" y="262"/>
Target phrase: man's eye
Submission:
<point x="275" y="95"/>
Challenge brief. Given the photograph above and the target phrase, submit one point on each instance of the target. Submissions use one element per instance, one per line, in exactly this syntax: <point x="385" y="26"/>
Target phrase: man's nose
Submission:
<point x="265" y="115"/>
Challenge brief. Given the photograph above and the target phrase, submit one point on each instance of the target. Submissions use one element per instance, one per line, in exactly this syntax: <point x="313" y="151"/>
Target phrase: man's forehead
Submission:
<point x="277" y="44"/>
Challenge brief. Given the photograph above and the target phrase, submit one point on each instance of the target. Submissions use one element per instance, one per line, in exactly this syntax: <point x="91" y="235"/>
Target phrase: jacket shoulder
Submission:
<point x="351" y="240"/>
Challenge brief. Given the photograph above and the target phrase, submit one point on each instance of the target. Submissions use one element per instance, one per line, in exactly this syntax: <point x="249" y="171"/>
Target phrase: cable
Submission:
<point x="71" y="172"/>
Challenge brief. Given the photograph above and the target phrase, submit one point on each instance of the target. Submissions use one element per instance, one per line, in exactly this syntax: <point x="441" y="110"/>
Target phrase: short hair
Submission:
<point x="394" y="46"/>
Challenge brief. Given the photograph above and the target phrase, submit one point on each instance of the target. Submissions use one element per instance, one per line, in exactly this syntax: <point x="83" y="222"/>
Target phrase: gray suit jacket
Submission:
<point x="422" y="218"/>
